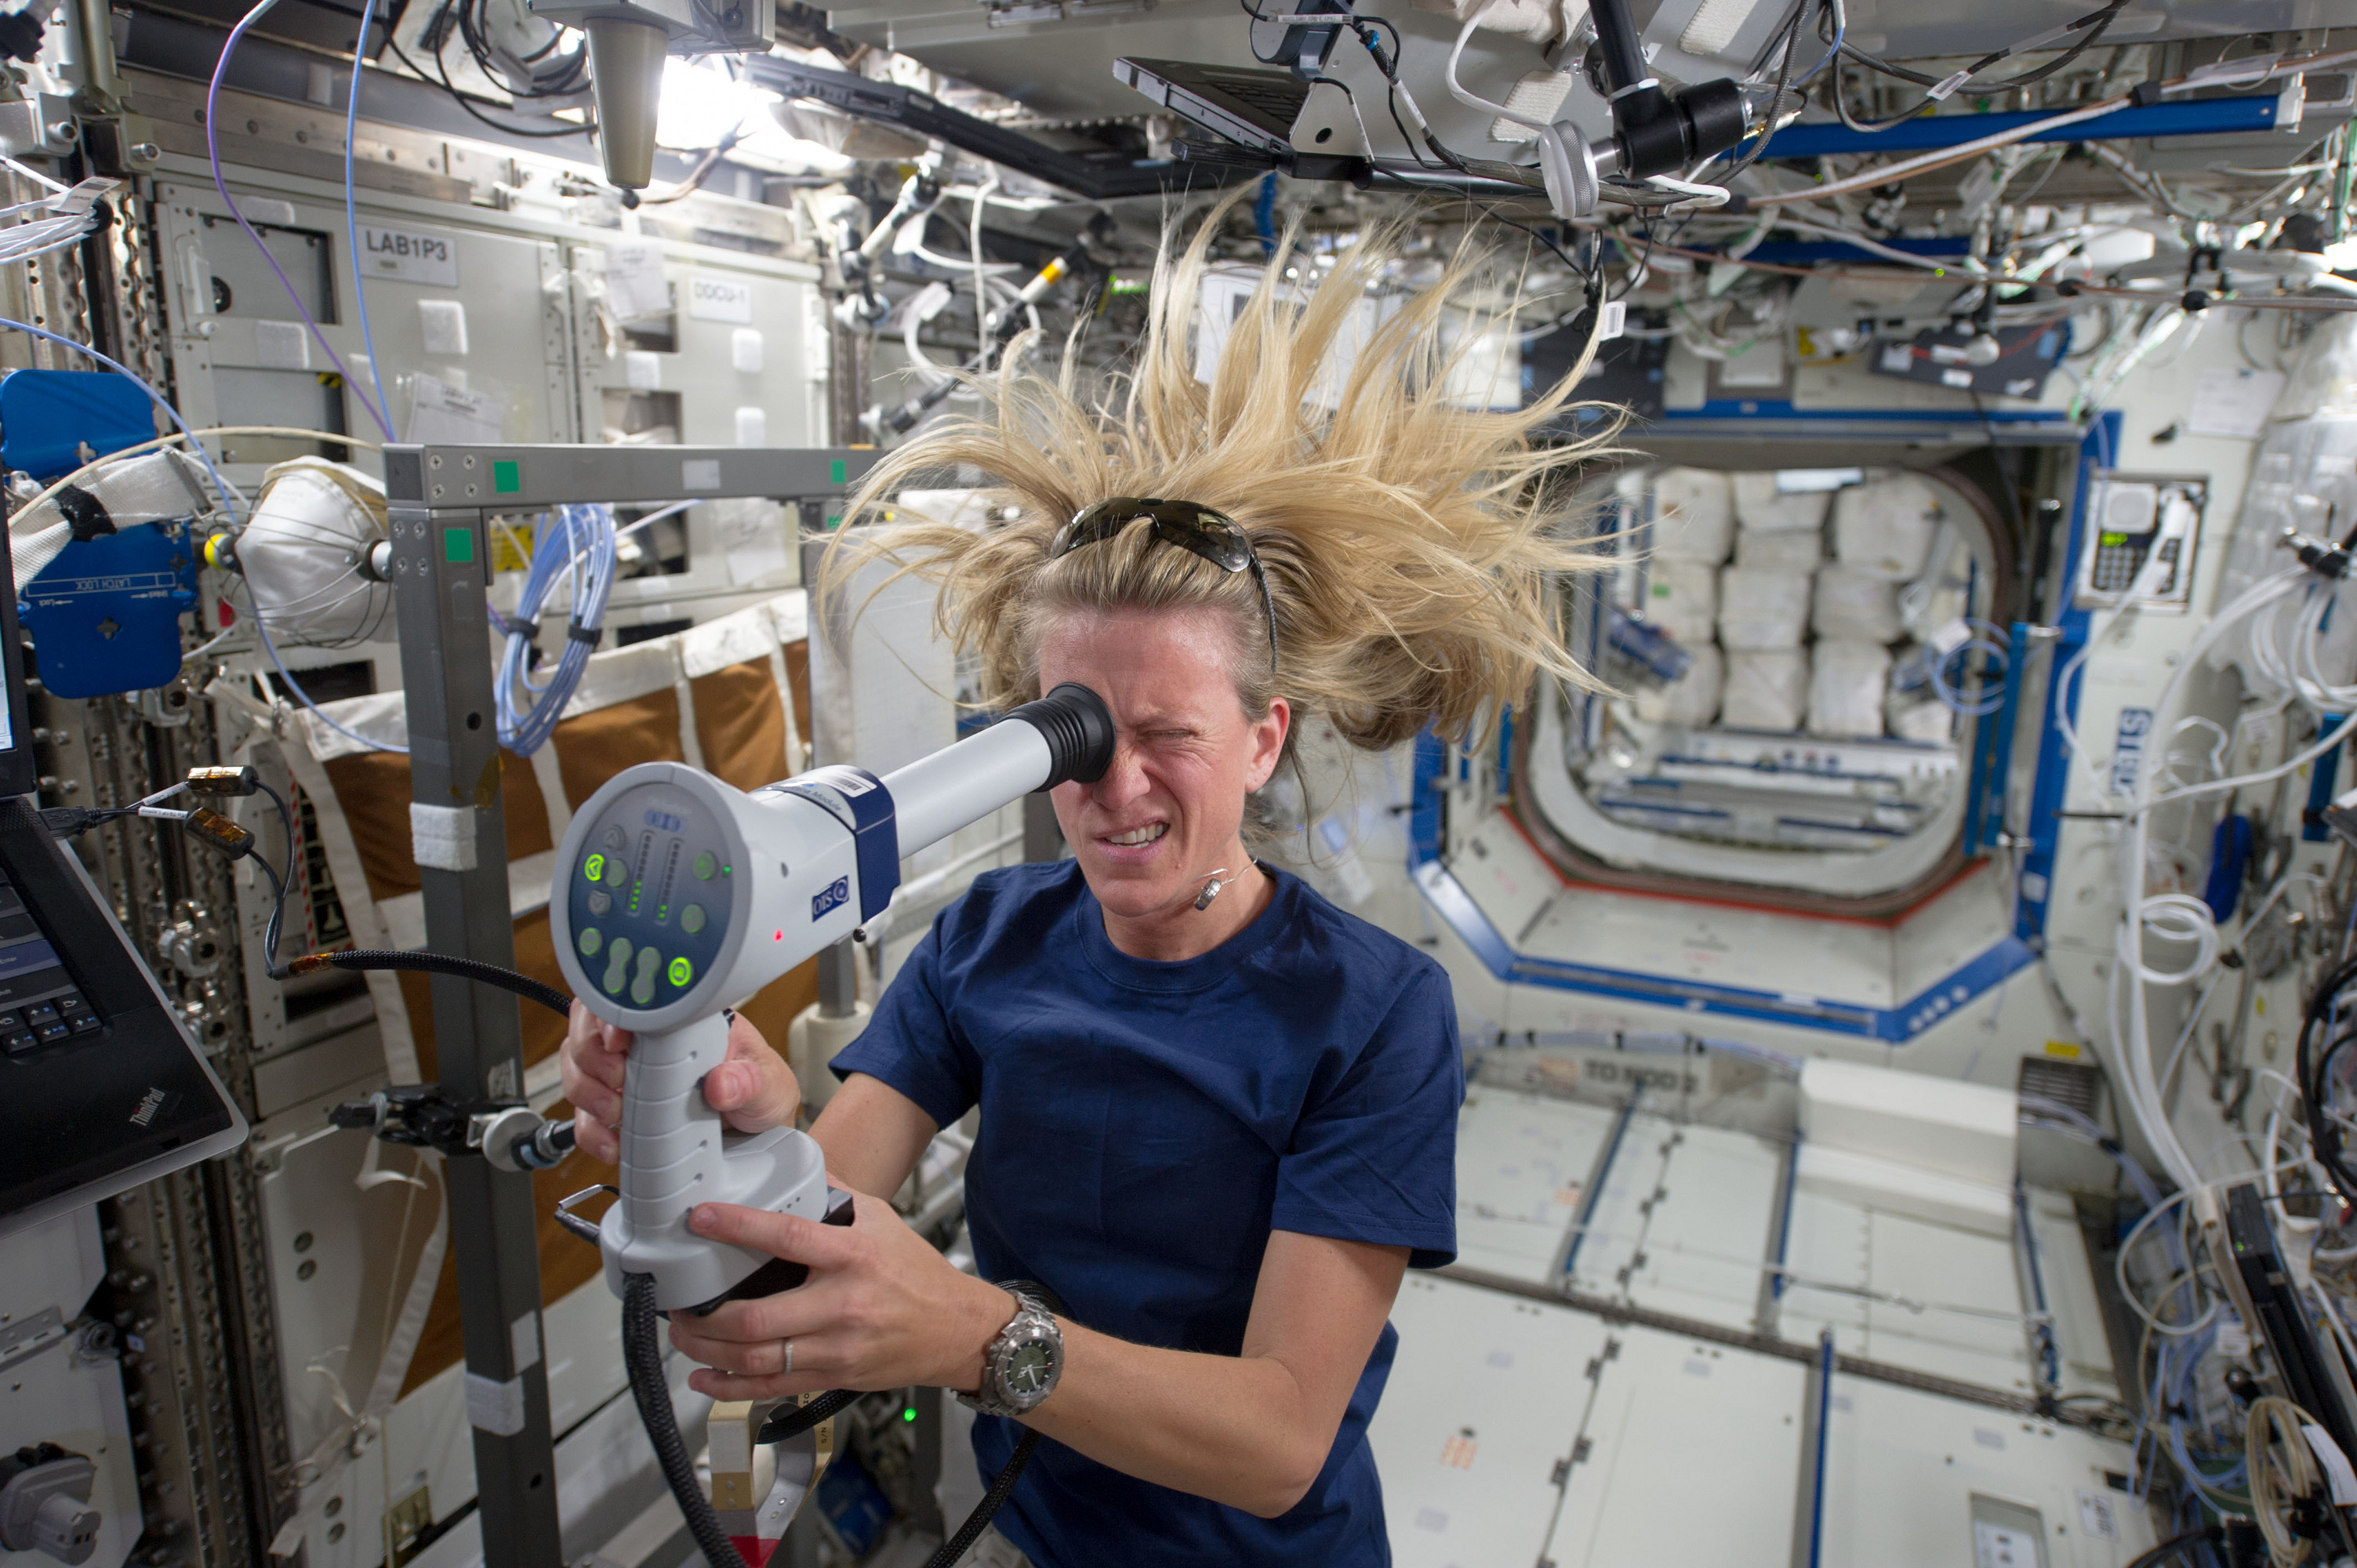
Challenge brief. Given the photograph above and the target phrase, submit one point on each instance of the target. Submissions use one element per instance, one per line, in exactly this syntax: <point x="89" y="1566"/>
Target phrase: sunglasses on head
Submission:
<point x="1198" y="530"/>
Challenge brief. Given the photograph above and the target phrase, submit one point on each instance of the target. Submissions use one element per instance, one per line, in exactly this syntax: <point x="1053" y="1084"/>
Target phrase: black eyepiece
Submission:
<point x="1079" y="731"/>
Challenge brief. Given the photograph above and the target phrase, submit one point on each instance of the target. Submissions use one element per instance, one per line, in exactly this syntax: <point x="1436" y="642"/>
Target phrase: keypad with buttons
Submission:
<point x="647" y="899"/>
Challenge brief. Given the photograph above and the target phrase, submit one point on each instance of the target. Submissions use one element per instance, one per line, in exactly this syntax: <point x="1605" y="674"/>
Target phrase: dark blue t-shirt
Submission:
<point x="1145" y="1126"/>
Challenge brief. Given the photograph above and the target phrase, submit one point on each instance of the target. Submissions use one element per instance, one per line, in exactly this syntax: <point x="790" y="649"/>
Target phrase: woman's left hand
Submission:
<point x="881" y="1309"/>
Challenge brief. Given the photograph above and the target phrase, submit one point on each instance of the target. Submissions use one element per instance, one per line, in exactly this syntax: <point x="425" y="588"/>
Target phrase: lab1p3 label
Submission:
<point x="831" y="896"/>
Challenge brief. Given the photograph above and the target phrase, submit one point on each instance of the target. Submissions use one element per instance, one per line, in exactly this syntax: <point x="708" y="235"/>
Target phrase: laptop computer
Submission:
<point x="100" y="1088"/>
<point x="1255" y="109"/>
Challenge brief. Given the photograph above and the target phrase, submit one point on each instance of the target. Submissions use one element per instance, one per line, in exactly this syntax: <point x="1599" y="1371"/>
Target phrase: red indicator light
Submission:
<point x="780" y="937"/>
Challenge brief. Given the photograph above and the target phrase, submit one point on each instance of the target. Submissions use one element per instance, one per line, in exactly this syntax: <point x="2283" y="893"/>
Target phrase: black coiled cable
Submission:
<point x="979" y="1519"/>
<point x="523" y="985"/>
<point x="642" y="1359"/>
<point x="2314" y="1069"/>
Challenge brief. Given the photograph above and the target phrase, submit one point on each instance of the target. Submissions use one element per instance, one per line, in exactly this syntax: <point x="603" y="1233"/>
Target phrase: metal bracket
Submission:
<point x="40" y="126"/>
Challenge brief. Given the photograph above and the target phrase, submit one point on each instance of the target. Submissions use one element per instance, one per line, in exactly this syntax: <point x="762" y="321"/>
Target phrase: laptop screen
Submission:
<point x="19" y="772"/>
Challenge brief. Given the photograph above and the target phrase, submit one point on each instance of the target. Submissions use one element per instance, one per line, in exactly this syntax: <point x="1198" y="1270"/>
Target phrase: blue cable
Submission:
<point x="1989" y="641"/>
<point x="220" y="184"/>
<point x="1841" y="31"/>
<point x="527" y="711"/>
<point x="352" y="215"/>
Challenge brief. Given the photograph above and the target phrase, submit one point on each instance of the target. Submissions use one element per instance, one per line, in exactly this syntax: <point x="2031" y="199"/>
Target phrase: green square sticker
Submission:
<point x="459" y="544"/>
<point x="834" y="470"/>
<point x="507" y="478"/>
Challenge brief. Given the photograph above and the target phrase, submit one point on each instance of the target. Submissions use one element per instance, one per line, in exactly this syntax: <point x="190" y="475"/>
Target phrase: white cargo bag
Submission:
<point x="1760" y="608"/>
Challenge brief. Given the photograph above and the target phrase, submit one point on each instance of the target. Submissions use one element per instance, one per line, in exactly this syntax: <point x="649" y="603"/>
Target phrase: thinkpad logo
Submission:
<point x="149" y="1103"/>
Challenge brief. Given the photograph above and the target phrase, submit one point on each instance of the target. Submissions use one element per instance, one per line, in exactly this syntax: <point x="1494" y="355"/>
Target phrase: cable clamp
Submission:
<point x="520" y="626"/>
<point x="576" y="632"/>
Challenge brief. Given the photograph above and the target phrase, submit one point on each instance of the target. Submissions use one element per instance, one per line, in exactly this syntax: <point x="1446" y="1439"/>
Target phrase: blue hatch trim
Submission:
<point x="1893" y="1025"/>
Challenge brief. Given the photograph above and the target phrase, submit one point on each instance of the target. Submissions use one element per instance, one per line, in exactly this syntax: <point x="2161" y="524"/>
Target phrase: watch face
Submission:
<point x="1031" y="1371"/>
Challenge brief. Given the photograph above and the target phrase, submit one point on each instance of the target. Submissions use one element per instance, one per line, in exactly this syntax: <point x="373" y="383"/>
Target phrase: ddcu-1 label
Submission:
<point x="719" y="299"/>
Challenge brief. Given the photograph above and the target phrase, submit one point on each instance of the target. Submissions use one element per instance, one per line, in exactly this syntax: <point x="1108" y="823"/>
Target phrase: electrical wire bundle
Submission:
<point x="2283" y="1474"/>
<point x="579" y="550"/>
<point x="51" y="222"/>
<point x="529" y="57"/>
<point x="219" y="833"/>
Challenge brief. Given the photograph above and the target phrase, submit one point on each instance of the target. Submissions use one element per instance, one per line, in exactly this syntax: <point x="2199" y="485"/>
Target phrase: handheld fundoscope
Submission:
<point x="681" y="895"/>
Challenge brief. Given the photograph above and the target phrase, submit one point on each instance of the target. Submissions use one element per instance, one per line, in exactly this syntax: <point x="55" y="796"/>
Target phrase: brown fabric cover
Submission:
<point x="566" y="1263"/>
<point x="373" y="791"/>
<point x="543" y="1031"/>
<point x="592" y="747"/>
<point x="740" y="724"/>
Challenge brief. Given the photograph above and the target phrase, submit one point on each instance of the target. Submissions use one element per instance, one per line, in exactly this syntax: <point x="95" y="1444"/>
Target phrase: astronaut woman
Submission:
<point x="1216" y="1133"/>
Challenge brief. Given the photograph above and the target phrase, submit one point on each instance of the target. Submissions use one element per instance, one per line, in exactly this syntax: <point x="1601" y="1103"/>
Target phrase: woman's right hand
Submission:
<point x="754" y="1089"/>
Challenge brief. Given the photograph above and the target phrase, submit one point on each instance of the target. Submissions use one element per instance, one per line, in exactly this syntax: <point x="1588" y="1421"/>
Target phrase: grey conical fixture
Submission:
<point x="626" y="64"/>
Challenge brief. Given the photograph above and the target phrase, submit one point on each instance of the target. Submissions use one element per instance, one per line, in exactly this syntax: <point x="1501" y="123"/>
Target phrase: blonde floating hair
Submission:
<point x="1410" y="546"/>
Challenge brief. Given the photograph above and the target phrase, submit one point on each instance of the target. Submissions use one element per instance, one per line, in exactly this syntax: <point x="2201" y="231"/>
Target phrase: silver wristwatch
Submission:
<point x="1019" y="1367"/>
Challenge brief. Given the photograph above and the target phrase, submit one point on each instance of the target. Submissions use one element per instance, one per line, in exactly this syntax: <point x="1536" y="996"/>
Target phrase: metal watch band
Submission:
<point x="1031" y="1319"/>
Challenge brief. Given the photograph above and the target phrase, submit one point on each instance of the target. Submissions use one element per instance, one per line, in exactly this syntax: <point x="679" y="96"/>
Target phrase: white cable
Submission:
<point x="1473" y="99"/>
<point x="2185" y="1034"/>
<point x="916" y="311"/>
<point x="1888" y="252"/>
<point x="2170" y="917"/>
<point x="932" y="257"/>
<point x="976" y="203"/>
<point x="36" y="176"/>
<point x="1701" y="197"/>
<point x="1885" y="173"/>
<point x="2135" y="1304"/>
<point x="1570" y="179"/>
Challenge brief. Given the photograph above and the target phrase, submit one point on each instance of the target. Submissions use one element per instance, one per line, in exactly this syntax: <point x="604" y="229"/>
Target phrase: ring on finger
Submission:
<point x="790" y="1358"/>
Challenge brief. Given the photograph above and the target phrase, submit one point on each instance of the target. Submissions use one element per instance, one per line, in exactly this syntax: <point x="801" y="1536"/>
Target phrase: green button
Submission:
<point x="691" y="919"/>
<point x="617" y="966"/>
<point x="706" y="865"/>
<point x="459" y="544"/>
<point x="681" y="971"/>
<point x="591" y="942"/>
<point x="593" y="867"/>
<point x="616" y="872"/>
<point x="643" y="983"/>
<point x="507" y="478"/>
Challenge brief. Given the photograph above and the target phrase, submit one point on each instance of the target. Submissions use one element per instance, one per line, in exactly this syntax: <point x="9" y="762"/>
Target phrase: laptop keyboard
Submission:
<point x="39" y="1003"/>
